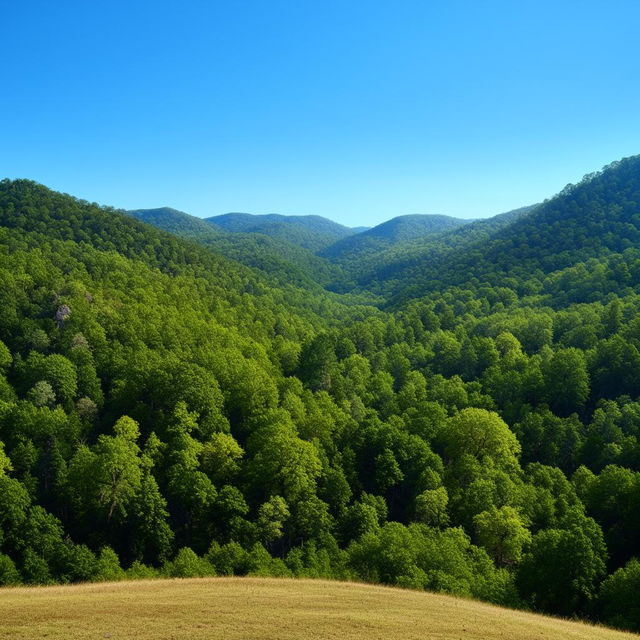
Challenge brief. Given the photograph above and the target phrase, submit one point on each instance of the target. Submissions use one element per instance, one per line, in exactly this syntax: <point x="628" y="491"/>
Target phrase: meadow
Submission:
<point x="268" y="609"/>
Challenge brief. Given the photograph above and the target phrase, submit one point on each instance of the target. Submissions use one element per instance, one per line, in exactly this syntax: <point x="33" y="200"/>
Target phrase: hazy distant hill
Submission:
<point x="411" y="226"/>
<point x="389" y="233"/>
<point x="250" y="222"/>
<point x="311" y="232"/>
<point x="173" y="220"/>
<point x="287" y="246"/>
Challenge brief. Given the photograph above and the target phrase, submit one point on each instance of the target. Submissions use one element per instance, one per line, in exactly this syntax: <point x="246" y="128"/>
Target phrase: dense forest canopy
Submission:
<point x="464" y="416"/>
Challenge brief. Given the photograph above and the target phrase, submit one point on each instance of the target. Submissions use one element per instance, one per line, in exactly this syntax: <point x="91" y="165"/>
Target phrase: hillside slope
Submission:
<point x="239" y="608"/>
<point x="286" y="261"/>
<point x="597" y="217"/>
<point x="384" y="266"/>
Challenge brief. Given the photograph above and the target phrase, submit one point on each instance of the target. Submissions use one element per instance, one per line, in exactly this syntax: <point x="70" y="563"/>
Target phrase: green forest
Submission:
<point x="443" y="405"/>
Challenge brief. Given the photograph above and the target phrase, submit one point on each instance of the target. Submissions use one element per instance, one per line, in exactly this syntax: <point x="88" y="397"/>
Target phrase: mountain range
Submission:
<point x="311" y="243"/>
<point x="402" y="257"/>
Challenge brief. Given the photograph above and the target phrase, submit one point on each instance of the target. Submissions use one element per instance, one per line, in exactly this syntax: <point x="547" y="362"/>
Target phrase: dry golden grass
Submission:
<point x="274" y="609"/>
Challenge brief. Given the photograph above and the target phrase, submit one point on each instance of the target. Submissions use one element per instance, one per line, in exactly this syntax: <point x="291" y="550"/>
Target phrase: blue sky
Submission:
<point x="358" y="111"/>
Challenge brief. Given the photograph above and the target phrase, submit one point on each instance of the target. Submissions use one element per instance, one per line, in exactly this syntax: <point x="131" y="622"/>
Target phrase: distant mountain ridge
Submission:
<point x="300" y="248"/>
<point x="277" y="254"/>
<point x="407" y="227"/>
<point x="310" y="232"/>
<point x="246" y="221"/>
<point x="411" y="256"/>
<point x="391" y="232"/>
<point x="172" y="220"/>
<point x="313" y="249"/>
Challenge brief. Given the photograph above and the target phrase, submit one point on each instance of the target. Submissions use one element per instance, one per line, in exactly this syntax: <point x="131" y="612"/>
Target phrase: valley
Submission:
<point x="435" y="404"/>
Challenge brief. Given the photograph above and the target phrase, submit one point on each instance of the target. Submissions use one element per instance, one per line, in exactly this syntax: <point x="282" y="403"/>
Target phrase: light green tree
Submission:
<point x="503" y="534"/>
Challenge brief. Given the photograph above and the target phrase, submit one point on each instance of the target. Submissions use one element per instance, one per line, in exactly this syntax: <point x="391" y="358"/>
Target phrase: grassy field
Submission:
<point x="256" y="608"/>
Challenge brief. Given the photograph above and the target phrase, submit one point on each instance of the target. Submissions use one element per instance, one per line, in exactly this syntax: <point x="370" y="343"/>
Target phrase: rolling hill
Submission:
<point x="239" y="608"/>
<point x="310" y="232"/>
<point x="408" y="227"/>
<point x="274" y="255"/>
<point x="388" y="266"/>
<point x="173" y="220"/>
<point x="389" y="233"/>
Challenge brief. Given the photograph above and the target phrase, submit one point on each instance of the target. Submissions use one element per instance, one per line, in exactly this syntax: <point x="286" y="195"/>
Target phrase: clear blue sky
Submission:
<point x="355" y="110"/>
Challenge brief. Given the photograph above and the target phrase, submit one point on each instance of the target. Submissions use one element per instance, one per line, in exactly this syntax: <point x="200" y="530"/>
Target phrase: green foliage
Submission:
<point x="228" y="559"/>
<point x="283" y="464"/>
<point x="173" y="411"/>
<point x="140" y="571"/>
<point x="152" y="535"/>
<point x="567" y="381"/>
<point x="5" y="357"/>
<point x="618" y="599"/>
<point x="107" y="567"/>
<point x="57" y="372"/>
<point x="424" y="558"/>
<point x="431" y="507"/>
<point x="35" y="569"/>
<point x="9" y="575"/>
<point x="187" y="564"/>
<point x="271" y="517"/>
<point x="5" y="462"/>
<point x="220" y="457"/>
<point x="484" y="436"/>
<point x="561" y="571"/>
<point x="502" y="533"/>
<point x="106" y="478"/>
<point x="359" y="519"/>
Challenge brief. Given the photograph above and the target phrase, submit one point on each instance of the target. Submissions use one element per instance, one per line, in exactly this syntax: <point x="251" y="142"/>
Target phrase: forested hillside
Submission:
<point x="274" y="250"/>
<point x="168" y="411"/>
<point x="398" y="266"/>
<point x="597" y="218"/>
